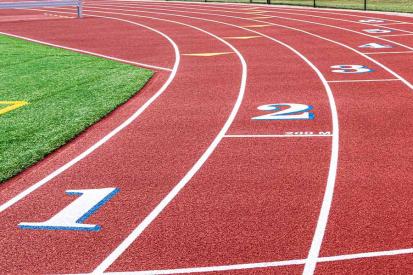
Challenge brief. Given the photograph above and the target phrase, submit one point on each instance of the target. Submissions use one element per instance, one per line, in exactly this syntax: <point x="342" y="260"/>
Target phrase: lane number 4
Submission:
<point x="286" y="111"/>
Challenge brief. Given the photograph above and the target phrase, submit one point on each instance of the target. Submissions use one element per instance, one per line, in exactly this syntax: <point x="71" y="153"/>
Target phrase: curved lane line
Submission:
<point x="280" y="17"/>
<point x="407" y="83"/>
<point x="329" y="191"/>
<point x="111" y="134"/>
<point x="88" y="52"/>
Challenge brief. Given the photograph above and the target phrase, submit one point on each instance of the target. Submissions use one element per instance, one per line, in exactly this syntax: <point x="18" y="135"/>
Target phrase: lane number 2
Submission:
<point x="351" y="69"/>
<point x="293" y="111"/>
<point x="72" y="216"/>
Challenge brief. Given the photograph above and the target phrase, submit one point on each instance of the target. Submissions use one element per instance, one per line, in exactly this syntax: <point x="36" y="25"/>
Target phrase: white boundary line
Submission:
<point x="407" y="83"/>
<point x="277" y="136"/>
<point x="111" y="134"/>
<point x="345" y="257"/>
<point x="328" y="195"/>
<point x="90" y="53"/>
<point x="390" y="52"/>
<point x="363" y="80"/>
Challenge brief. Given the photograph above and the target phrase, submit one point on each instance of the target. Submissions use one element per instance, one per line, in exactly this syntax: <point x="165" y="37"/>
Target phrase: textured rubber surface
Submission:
<point x="253" y="206"/>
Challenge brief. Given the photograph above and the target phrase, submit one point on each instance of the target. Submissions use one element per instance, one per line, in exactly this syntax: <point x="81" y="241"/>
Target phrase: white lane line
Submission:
<point x="111" y="134"/>
<point x="213" y="268"/>
<point x="364" y="80"/>
<point x="407" y="83"/>
<point x="390" y="52"/>
<point x="388" y="35"/>
<point x="329" y="191"/>
<point x="397" y="23"/>
<point x="114" y="255"/>
<point x="88" y="52"/>
<point x="278" y="136"/>
<point x="345" y="257"/>
<point x="366" y="255"/>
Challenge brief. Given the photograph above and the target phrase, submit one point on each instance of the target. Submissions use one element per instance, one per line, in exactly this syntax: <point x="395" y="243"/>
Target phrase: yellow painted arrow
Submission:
<point x="12" y="105"/>
<point x="206" y="54"/>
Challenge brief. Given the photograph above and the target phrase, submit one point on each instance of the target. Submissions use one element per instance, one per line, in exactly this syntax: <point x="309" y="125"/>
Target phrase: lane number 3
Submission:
<point x="286" y="111"/>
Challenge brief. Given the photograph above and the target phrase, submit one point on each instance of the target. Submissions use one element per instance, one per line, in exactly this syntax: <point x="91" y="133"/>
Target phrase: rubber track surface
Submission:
<point x="206" y="189"/>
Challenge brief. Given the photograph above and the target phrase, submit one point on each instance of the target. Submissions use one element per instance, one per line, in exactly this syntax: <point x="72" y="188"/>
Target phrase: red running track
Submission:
<point x="203" y="187"/>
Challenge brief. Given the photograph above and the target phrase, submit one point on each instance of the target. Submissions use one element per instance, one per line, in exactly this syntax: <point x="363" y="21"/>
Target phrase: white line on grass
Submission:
<point x="88" y="52"/>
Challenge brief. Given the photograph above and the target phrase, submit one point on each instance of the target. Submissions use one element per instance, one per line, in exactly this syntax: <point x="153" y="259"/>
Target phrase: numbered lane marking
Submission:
<point x="293" y="111"/>
<point x="375" y="46"/>
<point x="371" y="21"/>
<point x="72" y="216"/>
<point x="11" y="105"/>
<point x="351" y="69"/>
<point x="377" y="31"/>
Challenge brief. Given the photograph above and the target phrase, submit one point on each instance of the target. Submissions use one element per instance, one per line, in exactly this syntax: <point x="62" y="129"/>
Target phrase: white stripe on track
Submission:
<point x="111" y="134"/>
<point x="329" y="191"/>
<point x="88" y="52"/>
<point x="363" y="80"/>
<point x="278" y="136"/>
<point x="389" y="52"/>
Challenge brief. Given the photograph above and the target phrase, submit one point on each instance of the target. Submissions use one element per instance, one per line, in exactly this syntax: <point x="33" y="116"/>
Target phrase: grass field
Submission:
<point x="65" y="93"/>
<point x="379" y="5"/>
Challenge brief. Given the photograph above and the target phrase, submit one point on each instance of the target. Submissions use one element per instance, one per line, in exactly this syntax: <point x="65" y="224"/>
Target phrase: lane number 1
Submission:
<point x="72" y="216"/>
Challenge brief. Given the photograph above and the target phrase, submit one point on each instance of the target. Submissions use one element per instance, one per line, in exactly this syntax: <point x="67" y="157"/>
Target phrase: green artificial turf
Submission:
<point x="66" y="92"/>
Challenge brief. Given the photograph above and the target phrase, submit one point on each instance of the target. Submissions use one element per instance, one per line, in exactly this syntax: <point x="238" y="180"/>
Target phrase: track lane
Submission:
<point x="108" y="170"/>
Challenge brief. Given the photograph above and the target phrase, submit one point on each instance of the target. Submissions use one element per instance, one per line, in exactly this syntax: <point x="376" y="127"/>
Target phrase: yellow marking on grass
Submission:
<point x="241" y="37"/>
<point x="206" y="54"/>
<point x="256" y="26"/>
<point x="12" y="105"/>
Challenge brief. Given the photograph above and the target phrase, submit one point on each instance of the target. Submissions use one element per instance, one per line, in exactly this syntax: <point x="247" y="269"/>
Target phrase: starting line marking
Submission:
<point x="207" y="54"/>
<point x="364" y="80"/>
<point x="389" y="52"/>
<point x="278" y="136"/>
<point x="271" y="264"/>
